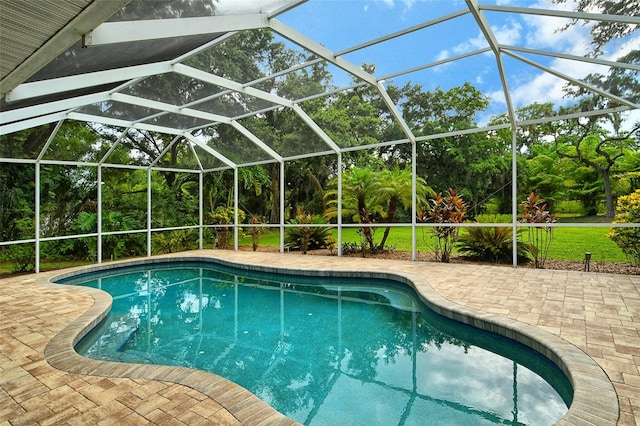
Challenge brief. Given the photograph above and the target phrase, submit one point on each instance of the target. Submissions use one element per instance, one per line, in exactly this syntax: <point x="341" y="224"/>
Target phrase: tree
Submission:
<point x="254" y="182"/>
<point x="527" y="136"/>
<point x="478" y="163"/>
<point x="353" y="117"/>
<point x="305" y="180"/>
<point x="605" y="31"/>
<point x="248" y="56"/>
<point x="545" y="175"/>
<point x="601" y="150"/>
<point x="578" y="157"/>
<point x="361" y="200"/>
<point x="166" y="9"/>
<point x="396" y="193"/>
<point x="588" y="143"/>
<point x="621" y="82"/>
<point x="17" y="203"/>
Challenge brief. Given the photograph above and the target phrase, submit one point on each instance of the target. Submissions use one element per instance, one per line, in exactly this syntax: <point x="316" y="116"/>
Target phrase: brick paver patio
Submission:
<point x="42" y="381"/>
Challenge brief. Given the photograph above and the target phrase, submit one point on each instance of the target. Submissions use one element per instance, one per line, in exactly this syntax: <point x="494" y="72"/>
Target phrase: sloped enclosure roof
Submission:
<point x="102" y="62"/>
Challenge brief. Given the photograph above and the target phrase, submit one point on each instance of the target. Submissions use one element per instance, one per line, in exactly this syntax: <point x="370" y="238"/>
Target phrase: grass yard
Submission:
<point x="6" y="268"/>
<point x="573" y="243"/>
<point x="567" y="244"/>
<point x="570" y="244"/>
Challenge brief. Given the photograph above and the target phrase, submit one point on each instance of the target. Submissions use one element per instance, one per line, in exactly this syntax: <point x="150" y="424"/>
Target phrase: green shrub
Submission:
<point x="21" y="256"/>
<point x="628" y="239"/>
<point x="493" y="244"/>
<point x="493" y="218"/>
<point x="534" y="210"/>
<point x="307" y="237"/>
<point x="448" y="208"/>
<point x="256" y="231"/>
<point x="572" y="207"/>
<point x="492" y="206"/>
<point x="174" y="241"/>
<point x="225" y="216"/>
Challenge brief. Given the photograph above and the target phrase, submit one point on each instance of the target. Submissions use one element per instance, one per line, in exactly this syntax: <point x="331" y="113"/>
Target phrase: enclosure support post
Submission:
<point x="281" y="206"/>
<point x="99" y="220"/>
<point x="339" y="203"/>
<point x="414" y="199"/>
<point x="36" y="263"/>
<point x="149" y="212"/>
<point x="235" y="208"/>
<point x="514" y="194"/>
<point x="37" y="218"/>
<point x="200" y="210"/>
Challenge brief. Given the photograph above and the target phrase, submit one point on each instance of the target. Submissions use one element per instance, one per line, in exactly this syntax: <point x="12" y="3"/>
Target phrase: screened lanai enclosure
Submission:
<point x="135" y="127"/>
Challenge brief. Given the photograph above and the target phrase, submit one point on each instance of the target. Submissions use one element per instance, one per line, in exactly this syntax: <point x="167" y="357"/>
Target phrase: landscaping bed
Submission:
<point x="564" y="265"/>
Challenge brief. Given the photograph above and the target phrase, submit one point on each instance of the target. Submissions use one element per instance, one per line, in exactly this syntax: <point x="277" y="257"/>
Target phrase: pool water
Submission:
<point x="323" y="351"/>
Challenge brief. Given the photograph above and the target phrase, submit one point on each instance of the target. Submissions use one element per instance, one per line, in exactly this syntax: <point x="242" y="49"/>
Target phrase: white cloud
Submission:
<point x="475" y="43"/>
<point x="622" y="48"/>
<point x="509" y="33"/>
<point x="443" y="54"/>
<point x="542" y="32"/>
<point x="534" y="85"/>
<point x="390" y="3"/>
<point x="541" y="88"/>
<point x="408" y="3"/>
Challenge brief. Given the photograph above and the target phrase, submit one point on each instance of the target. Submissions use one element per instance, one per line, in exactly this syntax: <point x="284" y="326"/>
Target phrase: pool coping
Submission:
<point x="594" y="401"/>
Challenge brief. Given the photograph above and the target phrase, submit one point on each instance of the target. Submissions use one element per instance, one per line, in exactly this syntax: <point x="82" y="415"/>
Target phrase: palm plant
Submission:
<point x="493" y="244"/>
<point x="361" y="200"/>
<point x="396" y="190"/>
<point x="307" y="237"/>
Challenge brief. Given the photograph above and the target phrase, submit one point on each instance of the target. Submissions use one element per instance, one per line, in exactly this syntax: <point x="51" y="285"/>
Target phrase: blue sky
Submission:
<point x="339" y="24"/>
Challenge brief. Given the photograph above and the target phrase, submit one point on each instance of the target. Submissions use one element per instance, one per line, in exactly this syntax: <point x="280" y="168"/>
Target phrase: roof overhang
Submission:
<point x="59" y="25"/>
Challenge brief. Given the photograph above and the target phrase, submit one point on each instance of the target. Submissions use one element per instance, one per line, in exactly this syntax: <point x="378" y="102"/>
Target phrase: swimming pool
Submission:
<point x="317" y="348"/>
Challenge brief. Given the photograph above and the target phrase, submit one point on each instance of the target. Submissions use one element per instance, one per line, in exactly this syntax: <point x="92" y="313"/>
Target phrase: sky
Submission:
<point x="340" y="24"/>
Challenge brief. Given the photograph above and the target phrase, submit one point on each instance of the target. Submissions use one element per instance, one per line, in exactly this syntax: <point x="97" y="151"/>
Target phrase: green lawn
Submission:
<point x="567" y="244"/>
<point x="7" y="267"/>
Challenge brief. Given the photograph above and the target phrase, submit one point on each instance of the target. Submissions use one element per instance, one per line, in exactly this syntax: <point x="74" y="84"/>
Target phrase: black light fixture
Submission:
<point x="587" y="261"/>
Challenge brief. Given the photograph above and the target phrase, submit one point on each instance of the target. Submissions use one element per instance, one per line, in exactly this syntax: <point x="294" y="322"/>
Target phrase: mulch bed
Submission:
<point x="562" y="265"/>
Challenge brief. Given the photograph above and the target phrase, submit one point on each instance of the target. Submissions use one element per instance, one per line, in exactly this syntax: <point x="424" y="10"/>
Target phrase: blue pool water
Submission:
<point x="323" y="351"/>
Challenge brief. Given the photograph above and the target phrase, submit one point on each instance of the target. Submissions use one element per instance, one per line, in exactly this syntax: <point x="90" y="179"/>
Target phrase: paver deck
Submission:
<point x="43" y="381"/>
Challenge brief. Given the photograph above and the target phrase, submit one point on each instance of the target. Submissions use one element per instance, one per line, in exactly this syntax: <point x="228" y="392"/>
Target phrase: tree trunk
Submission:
<point x="393" y="207"/>
<point x="608" y="194"/>
<point x="275" y="194"/>
<point x="366" y="231"/>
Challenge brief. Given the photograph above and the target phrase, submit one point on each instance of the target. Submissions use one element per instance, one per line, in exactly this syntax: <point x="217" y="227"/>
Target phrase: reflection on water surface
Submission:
<point x="323" y="351"/>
